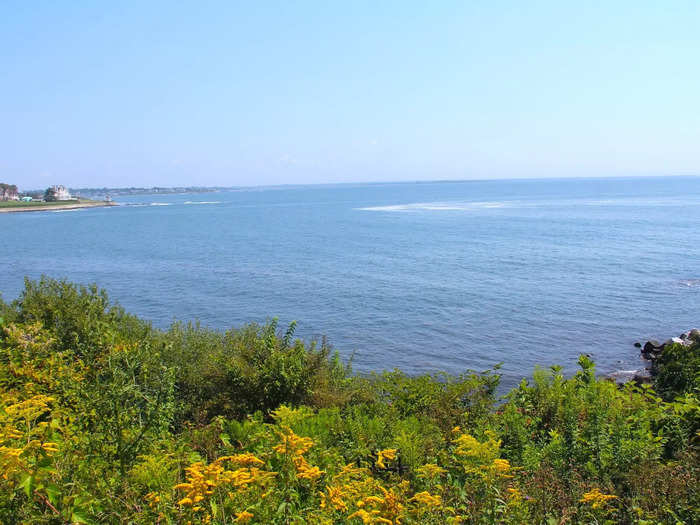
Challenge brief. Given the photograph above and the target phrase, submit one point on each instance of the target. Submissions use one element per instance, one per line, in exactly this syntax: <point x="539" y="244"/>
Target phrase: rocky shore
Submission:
<point x="651" y="351"/>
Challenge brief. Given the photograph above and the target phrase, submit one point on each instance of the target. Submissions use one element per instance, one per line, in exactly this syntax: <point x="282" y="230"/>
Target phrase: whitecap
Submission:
<point x="437" y="206"/>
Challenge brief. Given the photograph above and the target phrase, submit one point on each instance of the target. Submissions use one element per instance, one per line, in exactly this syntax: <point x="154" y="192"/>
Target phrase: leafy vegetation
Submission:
<point x="104" y="419"/>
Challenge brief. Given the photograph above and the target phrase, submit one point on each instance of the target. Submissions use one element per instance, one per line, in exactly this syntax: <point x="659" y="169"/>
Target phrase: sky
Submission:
<point x="292" y="92"/>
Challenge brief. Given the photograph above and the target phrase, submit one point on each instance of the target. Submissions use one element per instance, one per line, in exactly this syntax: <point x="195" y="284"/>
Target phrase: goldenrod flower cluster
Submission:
<point x="23" y="437"/>
<point x="386" y="454"/>
<point x="481" y="458"/>
<point x="295" y="447"/>
<point x="203" y="480"/>
<point x="596" y="499"/>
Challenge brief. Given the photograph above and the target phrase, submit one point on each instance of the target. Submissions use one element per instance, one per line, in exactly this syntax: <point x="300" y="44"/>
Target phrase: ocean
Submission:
<point x="430" y="276"/>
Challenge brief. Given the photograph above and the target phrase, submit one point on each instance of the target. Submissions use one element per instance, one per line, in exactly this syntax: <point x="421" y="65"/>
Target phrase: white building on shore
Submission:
<point x="58" y="193"/>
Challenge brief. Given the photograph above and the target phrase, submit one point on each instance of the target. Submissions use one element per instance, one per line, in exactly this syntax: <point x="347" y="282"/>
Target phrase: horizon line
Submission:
<point x="388" y="182"/>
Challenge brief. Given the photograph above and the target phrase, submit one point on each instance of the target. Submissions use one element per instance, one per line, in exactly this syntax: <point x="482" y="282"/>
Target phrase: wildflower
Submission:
<point x="153" y="499"/>
<point x="596" y="498"/>
<point x="392" y="504"/>
<point x="389" y="453"/>
<point x="243" y="517"/>
<point x="501" y="467"/>
<point x="310" y="473"/>
<point x="349" y="470"/>
<point x="50" y="447"/>
<point x="369" y="518"/>
<point x="363" y="515"/>
<point x="243" y="460"/>
<point x="425" y="498"/>
<point x="293" y="444"/>
<point x="430" y="471"/>
<point x="333" y="497"/>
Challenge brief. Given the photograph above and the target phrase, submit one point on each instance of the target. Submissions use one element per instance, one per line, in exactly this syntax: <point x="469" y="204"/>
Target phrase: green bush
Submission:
<point x="678" y="371"/>
<point x="104" y="419"/>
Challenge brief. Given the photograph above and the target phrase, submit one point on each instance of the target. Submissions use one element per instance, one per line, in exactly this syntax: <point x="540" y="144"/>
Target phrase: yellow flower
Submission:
<point x="50" y="447"/>
<point x="243" y="517"/>
<point x="243" y="460"/>
<point x="291" y="443"/>
<point x="363" y="515"/>
<point x="424" y="498"/>
<point x="501" y="467"/>
<point x="430" y="470"/>
<point x="389" y="453"/>
<point x="153" y="499"/>
<point x="311" y="473"/>
<point x="333" y="497"/>
<point x="596" y="498"/>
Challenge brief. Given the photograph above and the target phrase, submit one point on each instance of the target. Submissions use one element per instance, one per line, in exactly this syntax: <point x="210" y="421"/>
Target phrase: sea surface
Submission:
<point x="418" y="276"/>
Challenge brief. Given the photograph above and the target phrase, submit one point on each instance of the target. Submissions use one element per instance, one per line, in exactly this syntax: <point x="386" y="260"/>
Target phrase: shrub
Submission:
<point x="104" y="419"/>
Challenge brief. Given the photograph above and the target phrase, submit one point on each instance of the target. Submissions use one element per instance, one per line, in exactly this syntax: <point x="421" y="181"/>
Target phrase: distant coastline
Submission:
<point x="51" y="206"/>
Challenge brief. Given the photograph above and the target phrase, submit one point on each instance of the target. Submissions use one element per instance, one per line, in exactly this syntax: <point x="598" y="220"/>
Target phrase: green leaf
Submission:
<point x="225" y="440"/>
<point x="78" y="516"/>
<point x="214" y="509"/>
<point x="44" y="462"/>
<point x="53" y="492"/>
<point x="27" y="484"/>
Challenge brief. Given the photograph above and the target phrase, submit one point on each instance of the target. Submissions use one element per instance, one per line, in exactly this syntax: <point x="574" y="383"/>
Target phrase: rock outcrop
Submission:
<point x="651" y="351"/>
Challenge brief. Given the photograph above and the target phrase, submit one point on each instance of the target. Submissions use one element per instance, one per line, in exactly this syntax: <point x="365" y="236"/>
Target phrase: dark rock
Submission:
<point x="643" y="377"/>
<point x="694" y="334"/>
<point x="638" y="344"/>
<point x="652" y="346"/>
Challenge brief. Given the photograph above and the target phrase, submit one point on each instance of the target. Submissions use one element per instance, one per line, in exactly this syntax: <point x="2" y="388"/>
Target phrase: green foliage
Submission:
<point x="242" y="371"/>
<point x="102" y="418"/>
<point x="80" y="318"/>
<point x="678" y="371"/>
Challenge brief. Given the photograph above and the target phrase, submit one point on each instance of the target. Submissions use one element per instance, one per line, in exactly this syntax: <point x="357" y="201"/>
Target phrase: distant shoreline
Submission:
<point x="53" y="207"/>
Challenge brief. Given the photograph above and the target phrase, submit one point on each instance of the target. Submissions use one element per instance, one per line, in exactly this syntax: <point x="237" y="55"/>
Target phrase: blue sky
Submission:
<point x="234" y="93"/>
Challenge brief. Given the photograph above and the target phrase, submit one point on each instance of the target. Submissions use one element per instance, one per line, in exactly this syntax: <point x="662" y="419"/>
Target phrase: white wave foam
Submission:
<point x="437" y="206"/>
<point x="160" y="203"/>
<point x="529" y="204"/>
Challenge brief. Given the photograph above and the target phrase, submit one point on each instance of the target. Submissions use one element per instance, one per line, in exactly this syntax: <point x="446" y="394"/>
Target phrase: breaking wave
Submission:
<point x="437" y="206"/>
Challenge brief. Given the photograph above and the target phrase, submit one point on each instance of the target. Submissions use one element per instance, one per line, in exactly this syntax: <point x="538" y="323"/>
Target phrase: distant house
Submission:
<point x="8" y="192"/>
<point x="57" y="193"/>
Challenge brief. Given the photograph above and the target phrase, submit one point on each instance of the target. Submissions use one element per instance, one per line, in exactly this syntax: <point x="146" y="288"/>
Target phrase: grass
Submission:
<point x="41" y="204"/>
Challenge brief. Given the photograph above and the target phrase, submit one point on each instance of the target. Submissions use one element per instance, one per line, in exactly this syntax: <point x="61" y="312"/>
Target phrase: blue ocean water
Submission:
<point x="420" y="276"/>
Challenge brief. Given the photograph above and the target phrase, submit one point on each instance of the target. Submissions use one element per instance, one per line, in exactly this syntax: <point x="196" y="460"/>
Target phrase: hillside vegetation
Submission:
<point x="104" y="419"/>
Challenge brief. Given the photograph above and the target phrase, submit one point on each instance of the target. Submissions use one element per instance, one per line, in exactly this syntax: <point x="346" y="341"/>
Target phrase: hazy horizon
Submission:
<point x="226" y="94"/>
<point x="372" y="182"/>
